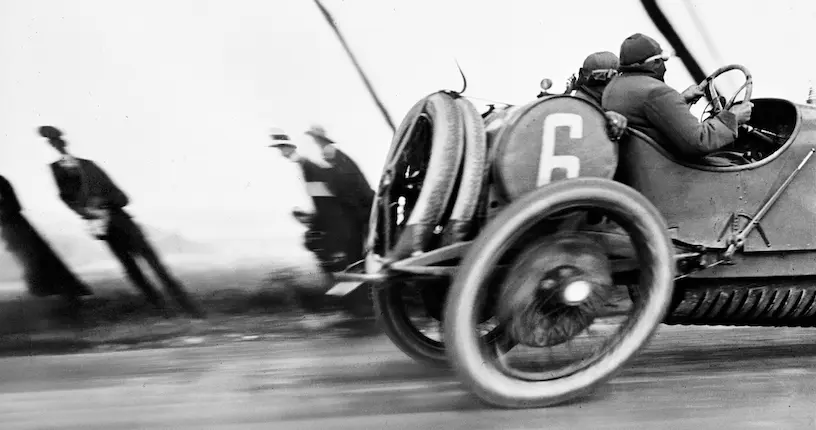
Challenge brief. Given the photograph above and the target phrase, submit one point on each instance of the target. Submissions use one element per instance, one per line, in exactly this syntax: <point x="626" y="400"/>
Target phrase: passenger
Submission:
<point x="598" y="69"/>
<point x="651" y="106"/>
<point x="589" y="84"/>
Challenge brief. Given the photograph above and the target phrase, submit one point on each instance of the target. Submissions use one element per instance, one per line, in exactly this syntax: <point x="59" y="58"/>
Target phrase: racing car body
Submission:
<point x="701" y="202"/>
<point x="531" y="217"/>
<point x="529" y="232"/>
<point x="705" y="204"/>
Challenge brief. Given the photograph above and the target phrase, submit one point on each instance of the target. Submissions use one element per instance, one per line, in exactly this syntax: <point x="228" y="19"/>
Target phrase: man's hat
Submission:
<point x="600" y="66"/>
<point x="318" y="132"/>
<point x="639" y="48"/>
<point x="280" y="138"/>
<point x="50" y="132"/>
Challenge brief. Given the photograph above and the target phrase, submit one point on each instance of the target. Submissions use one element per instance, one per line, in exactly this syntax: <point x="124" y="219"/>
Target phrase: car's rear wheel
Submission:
<point x="404" y="317"/>
<point x="554" y="300"/>
<point x="427" y="198"/>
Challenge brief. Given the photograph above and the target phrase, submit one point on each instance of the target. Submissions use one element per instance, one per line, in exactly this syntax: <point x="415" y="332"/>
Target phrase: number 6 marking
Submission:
<point x="548" y="161"/>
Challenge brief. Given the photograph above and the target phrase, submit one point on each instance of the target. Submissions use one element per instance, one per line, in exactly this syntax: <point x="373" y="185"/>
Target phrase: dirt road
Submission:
<point x="696" y="378"/>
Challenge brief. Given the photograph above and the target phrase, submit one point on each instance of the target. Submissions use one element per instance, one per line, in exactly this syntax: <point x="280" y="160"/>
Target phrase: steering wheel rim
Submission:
<point x="711" y="91"/>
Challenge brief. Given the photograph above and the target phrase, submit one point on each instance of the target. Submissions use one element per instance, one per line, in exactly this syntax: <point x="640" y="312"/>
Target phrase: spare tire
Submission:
<point x="472" y="178"/>
<point x="445" y="134"/>
<point x="429" y="145"/>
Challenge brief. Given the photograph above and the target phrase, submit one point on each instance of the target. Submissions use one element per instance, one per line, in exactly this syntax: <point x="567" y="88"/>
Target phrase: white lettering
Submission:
<point x="548" y="161"/>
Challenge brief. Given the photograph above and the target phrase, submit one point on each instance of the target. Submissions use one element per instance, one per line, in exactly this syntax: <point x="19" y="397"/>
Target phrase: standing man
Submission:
<point x="89" y="192"/>
<point x="281" y="142"/>
<point x="355" y="198"/>
<point x="351" y="188"/>
<point x="330" y="226"/>
<point x="336" y="233"/>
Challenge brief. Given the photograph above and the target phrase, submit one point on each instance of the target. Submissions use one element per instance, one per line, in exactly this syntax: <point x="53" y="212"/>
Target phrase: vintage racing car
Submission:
<point x="550" y="253"/>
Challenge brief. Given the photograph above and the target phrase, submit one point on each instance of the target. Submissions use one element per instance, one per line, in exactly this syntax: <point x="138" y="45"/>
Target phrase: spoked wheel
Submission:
<point x="402" y="316"/>
<point x="410" y="314"/>
<point x="426" y="198"/>
<point x="559" y="337"/>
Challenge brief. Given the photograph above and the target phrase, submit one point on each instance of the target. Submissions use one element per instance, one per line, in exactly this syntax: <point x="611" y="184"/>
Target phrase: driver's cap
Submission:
<point x="637" y="48"/>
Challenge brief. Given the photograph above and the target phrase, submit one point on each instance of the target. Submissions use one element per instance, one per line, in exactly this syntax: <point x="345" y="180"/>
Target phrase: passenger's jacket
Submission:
<point x="590" y="94"/>
<point x="656" y="109"/>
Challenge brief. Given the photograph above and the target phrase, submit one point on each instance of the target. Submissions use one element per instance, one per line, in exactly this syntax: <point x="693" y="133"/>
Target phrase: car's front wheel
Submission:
<point x="560" y="339"/>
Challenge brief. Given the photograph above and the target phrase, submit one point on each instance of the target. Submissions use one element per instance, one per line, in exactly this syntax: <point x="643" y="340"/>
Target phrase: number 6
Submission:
<point x="548" y="161"/>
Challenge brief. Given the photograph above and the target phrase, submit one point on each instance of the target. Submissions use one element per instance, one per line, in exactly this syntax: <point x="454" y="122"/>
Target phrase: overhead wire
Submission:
<point x="702" y="30"/>
<point x="661" y="21"/>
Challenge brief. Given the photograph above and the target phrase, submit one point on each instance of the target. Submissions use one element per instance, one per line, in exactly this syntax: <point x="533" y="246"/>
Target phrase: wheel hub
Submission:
<point x="554" y="290"/>
<point x="576" y="292"/>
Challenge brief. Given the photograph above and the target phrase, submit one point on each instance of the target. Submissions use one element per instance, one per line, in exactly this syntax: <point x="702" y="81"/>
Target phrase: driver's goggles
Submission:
<point x="602" y="74"/>
<point x="665" y="56"/>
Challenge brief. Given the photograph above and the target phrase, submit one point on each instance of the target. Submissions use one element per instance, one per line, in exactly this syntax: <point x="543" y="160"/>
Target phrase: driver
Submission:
<point x="653" y="107"/>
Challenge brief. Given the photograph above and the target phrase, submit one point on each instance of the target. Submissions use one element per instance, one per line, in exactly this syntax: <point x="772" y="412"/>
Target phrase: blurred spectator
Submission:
<point x="44" y="272"/>
<point x="349" y="185"/>
<point x="336" y="227"/>
<point x="89" y="192"/>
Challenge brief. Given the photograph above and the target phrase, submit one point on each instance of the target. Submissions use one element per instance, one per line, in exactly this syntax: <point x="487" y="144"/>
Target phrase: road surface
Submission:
<point x="689" y="378"/>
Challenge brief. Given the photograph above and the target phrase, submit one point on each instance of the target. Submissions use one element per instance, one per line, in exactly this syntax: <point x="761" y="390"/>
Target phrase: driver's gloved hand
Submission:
<point x="742" y="111"/>
<point x="692" y="94"/>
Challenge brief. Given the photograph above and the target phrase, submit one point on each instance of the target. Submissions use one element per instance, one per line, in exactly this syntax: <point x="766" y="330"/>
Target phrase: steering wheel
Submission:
<point x="733" y="157"/>
<point x="711" y="92"/>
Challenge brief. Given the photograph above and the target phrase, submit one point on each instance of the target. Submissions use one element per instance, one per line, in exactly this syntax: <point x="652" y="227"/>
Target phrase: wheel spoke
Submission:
<point x="624" y="265"/>
<point x="504" y="343"/>
<point x="574" y="340"/>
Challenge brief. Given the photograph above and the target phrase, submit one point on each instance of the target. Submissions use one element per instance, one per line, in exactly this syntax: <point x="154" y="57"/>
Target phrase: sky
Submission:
<point x="174" y="98"/>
